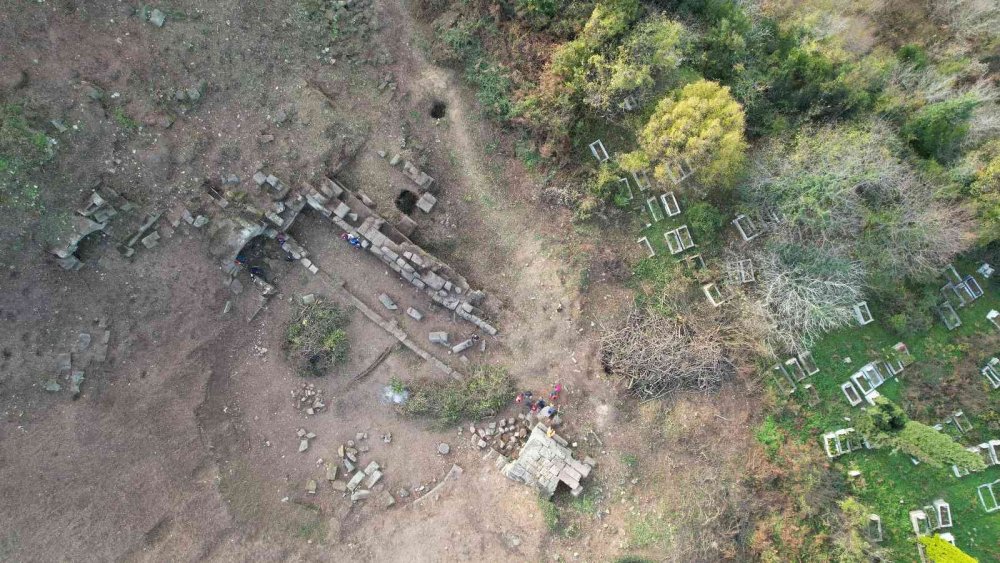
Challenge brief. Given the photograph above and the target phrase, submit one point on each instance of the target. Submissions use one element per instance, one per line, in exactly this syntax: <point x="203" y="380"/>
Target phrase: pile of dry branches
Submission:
<point x="654" y="355"/>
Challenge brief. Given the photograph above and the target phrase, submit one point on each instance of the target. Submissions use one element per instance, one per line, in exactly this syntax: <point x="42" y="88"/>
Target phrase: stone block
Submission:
<point x="360" y="495"/>
<point x="373" y="478"/>
<point x="426" y="202"/>
<point x="463" y="346"/>
<point x="355" y="481"/>
<point x="415" y="314"/>
<point x="259" y="178"/>
<point x="439" y="337"/>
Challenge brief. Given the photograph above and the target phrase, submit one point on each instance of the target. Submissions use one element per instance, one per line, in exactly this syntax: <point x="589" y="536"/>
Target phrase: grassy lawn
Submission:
<point x="890" y="484"/>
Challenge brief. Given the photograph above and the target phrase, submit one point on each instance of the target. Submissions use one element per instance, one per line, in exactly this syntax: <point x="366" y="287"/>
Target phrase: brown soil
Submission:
<point x="182" y="445"/>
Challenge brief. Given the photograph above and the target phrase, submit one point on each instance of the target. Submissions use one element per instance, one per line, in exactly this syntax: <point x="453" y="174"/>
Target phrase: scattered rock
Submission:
<point x="309" y="299"/>
<point x="443" y="448"/>
<point x="303" y="445"/>
<point x="387" y="302"/>
<point x="157" y="18"/>
<point x="75" y="380"/>
<point x="52" y="386"/>
<point x="415" y="314"/>
<point x="439" y="338"/>
<point x="311" y="486"/>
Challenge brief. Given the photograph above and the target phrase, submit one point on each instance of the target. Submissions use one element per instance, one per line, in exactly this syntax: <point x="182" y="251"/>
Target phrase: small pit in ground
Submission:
<point x="406" y="201"/>
<point x="438" y="109"/>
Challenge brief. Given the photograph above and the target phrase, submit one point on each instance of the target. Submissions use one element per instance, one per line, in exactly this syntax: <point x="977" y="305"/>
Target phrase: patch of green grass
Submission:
<point x="123" y="120"/>
<point x="587" y="503"/>
<point x="525" y="151"/>
<point x="486" y="391"/>
<point x="630" y="460"/>
<point x="649" y="530"/>
<point x="770" y="436"/>
<point x="891" y="485"/>
<point x="550" y="513"/>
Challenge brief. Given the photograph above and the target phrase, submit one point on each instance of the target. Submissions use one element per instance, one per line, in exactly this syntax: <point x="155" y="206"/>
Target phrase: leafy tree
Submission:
<point x="701" y="124"/>
<point x="650" y="54"/>
<point x="935" y="448"/>
<point x="937" y="130"/>
<point x="610" y="19"/>
<point x="940" y="550"/>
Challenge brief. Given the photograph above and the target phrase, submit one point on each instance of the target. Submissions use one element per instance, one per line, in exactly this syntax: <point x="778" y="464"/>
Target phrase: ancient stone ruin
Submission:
<point x="545" y="461"/>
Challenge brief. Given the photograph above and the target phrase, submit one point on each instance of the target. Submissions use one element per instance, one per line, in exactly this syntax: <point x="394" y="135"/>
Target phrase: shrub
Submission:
<point x="706" y="221"/>
<point x="935" y="448"/>
<point x="317" y="338"/>
<point x="879" y="422"/>
<point x="484" y="393"/>
<point x="937" y="130"/>
<point x="770" y="436"/>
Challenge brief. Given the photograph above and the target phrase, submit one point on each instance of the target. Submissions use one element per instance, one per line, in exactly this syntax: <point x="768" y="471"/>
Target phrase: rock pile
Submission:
<point x="357" y="483"/>
<point x="544" y="461"/>
<point x="505" y="435"/>
<point x="308" y="398"/>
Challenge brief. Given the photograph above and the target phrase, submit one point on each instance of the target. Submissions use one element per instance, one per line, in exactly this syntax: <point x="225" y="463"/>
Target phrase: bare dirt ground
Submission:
<point x="182" y="444"/>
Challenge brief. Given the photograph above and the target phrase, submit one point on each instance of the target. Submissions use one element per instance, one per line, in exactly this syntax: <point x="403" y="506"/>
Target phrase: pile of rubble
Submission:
<point x="505" y="435"/>
<point x="70" y="366"/>
<point x="308" y="398"/>
<point x="545" y="461"/>
<point x="359" y="485"/>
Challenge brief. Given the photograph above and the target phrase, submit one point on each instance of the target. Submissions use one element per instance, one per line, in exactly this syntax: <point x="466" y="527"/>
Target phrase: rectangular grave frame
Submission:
<point x="995" y="448"/>
<point x="649" y="247"/>
<point x="990" y="503"/>
<point x="808" y="363"/>
<point x="874" y="375"/>
<point x="746" y="227"/>
<point x="992" y="316"/>
<point x="948" y="315"/>
<point x="972" y="286"/>
<point x="603" y="151"/>
<point x="933" y="520"/>
<point x="794" y="369"/>
<point x="989" y="453"/>
<point x="991" y="371"/>
<point x="628" y="187"/>
<point x="782" y="380"/>
<point x="654" y="209"/>
<point x="641" y="180"/>
<point x="874" y="529"/>
<point x="711" y="291"/>
<point x="679" y="170"/>
<point x="861" y="382"/>
<point x="670" y="205"/>
<point x="851" y="393"/>
<point x="950" y="292"/>
<point x="812" y="395"/>
<point x="951" y="274"/>
<point x="629" y="104"/>
<point x="685" y="237"/>
<point x="902" y="353"/>
<point x="673" y="242"/>
<point x="744" y="271"/>
<point x="961" y="421"/>
<point x="919" y="522"/>
<point x="943" y="510"/>
<point x="694" y="262"/>
<point x="862" y="314"/>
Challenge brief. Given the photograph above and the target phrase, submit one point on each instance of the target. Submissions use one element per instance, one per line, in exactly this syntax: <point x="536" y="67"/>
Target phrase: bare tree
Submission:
<point x="654" y="355"/>
<point x="968" y="18"/>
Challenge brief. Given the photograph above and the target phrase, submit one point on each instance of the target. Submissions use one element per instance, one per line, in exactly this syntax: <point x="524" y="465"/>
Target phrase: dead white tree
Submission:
<point x="806" y="297"/>
<point x="968" y="18"/>
<point x="655" y="355"/>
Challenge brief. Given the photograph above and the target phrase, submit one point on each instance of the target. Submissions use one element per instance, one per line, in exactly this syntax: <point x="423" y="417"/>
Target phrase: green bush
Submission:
<point x="935" y="448"/>
<point x="484" y="393"/>
<point x="913" y="54"/>
<point x="706" y="221"/>
<point x="770" y="436"/>
<point x="317" y="338"/>
<point x="937" y="130"/>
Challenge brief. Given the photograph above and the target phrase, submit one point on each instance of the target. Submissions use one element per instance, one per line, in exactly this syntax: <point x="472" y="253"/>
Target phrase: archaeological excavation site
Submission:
<point x="517" y="280"/>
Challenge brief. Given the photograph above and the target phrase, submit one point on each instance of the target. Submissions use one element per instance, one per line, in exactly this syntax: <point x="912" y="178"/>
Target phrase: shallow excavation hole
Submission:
<point x="438" y="109"/>
<point x="406" y="201"/>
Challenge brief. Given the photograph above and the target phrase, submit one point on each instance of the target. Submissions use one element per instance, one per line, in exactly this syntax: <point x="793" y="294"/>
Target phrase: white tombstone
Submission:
<point x="948" y="316"/>
<point x="670" y="204"/>
<point x="679" y="170"/>
<point x="988" y="497"/>
<point x="874" y="528"/>
<point x="918" y="519"/>
<point x="808" y="363"/>
<point x="943" y="510"/>
<point x="744" y="271"/>
<point x="649" y="247"/>
<point x="673" y="242"/>
<point x="961" y="422"/>
<point x="713" y="294"/>
<point x="794" y="368"/>
<point x="992" y="372"/>
<point x="600" y="153"/>
<point x="985" y="270"/>
<point x="994" y="317"/>
<point x="851" y="393"/>
<point x="654" y="209"/>
<point x="812" y="395"/>
<point x="862" y="314"/>
<point x="694" y="262"/>
<point x="685" y="237"/>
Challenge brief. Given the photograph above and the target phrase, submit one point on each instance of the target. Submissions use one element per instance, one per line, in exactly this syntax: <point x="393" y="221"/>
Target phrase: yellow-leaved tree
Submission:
<point x="700" y="127"/>
<point x="940" y="551"/>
